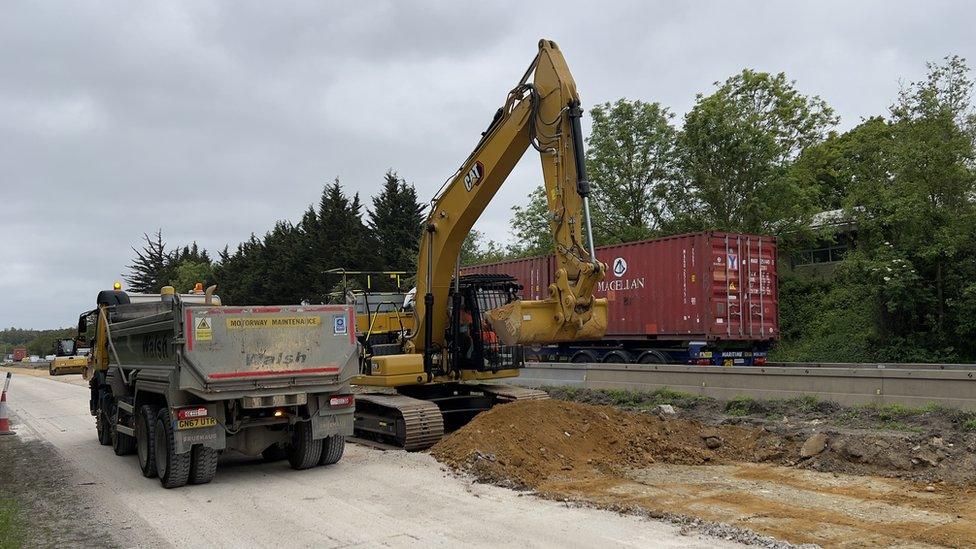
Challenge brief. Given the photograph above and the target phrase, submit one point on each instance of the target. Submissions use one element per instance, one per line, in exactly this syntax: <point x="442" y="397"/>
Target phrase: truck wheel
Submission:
<point x="332" y="448"/>
<point x="173" y="469"/>
<point x="122" y="443"/>
<point x="203" y="465"/>
<point x="303" y="452"/>
<point x="146" y="440"/>
<point x="103" y="427"/>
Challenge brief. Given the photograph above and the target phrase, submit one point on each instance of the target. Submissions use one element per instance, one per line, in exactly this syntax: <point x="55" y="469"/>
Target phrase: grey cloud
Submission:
<point x="212" y="120"/>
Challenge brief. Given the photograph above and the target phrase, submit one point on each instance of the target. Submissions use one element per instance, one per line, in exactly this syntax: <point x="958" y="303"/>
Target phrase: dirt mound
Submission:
<point x="528" y="443"/>
<point x="819" y="484"/>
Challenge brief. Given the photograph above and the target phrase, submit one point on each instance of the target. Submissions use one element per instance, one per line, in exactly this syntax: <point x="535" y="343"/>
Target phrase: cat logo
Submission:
<point x="474" y="175"/>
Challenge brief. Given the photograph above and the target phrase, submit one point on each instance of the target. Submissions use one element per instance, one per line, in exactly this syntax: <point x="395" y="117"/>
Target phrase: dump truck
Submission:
<point x="177" y="379"/>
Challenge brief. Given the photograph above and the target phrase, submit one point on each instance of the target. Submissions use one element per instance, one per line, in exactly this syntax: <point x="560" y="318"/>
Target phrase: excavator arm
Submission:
<point x="544" y="114"/>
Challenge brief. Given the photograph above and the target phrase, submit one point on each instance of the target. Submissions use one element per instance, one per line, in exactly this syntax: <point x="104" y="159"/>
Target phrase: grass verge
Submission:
<point x="11" y="525"/>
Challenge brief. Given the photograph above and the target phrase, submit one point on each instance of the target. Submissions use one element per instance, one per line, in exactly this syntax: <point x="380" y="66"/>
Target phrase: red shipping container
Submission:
<point x="703" y="286"/>
<point x="20" y="353"/>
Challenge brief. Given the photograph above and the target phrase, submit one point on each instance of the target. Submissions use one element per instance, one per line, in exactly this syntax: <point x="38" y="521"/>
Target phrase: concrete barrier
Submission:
<point x="845" y="385"/>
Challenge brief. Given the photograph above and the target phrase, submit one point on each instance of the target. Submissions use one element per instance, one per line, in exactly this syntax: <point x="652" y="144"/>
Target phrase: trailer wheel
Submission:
<point x="103" y="427"/>
<point x="203" y="464"/>
<point x="303" y="452"/>
<point x="332" y="448"/>
<point x="146" y="440"/>
<point x="584" y="357"/>
<point x="173" y="469"/>
<point x="617" y="357"/>
<point x="652" y="357"/>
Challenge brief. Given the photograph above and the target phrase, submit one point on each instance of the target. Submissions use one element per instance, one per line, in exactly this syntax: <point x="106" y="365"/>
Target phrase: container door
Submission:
<point x="762" y="289"/>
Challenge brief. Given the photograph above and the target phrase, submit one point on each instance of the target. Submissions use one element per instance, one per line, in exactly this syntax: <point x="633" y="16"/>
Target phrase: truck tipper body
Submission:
<point x="179" y="379"/>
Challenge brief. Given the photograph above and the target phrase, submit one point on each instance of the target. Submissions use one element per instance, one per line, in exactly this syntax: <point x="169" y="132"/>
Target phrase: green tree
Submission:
<point x="630" y="160"/>
<point x="340" y="239"/>
<point x="734" y="151"/>
<point x="832" y="167"/>
<point x="152" y="268"/>
<point x="475" y="251"/>
<point x="916" y="224"/>
<point x="530" y="226"/>
<point x="395" y="223"/>
<point x="188" y="273"/>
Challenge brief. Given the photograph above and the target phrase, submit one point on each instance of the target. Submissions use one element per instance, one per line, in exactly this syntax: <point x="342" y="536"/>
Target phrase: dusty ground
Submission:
<point x="745" y="475"/>
<point x="54" y="509"/>
<point x="929" y="444"/>
<point x="370" y="498"/>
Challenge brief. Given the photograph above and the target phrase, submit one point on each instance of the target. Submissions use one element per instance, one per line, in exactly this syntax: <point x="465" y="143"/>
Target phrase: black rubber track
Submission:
<point x="303" y="452"/>
<point x="332" y="448"/>
<point x="203" y="464"/>
<point x="173" y="469"/>
<point x="146" y="433"/>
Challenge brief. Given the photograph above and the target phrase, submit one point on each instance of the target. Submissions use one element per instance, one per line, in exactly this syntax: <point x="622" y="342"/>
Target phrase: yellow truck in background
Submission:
<point x="69" y="358"/>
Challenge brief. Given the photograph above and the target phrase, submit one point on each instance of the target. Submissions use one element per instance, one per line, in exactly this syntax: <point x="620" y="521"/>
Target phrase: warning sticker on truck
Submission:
<point x="203" y="330"/>
<point x="272" y="322"/>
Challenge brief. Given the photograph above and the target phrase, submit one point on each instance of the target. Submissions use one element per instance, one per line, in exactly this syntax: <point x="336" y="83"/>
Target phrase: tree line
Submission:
<point x="291" y="262"/>
<point x="37" y="342"/>
<point x="755" y="155"/>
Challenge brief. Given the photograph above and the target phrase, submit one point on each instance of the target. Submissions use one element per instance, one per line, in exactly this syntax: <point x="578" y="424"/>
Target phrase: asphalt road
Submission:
<point x="371" y="498"/>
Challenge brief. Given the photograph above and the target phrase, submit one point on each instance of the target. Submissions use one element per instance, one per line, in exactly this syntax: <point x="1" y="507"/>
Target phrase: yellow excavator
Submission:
<point x="469" y="329"/>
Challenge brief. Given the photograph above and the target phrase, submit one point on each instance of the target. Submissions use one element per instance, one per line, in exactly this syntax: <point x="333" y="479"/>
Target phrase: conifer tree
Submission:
<point x="395" y="222"/>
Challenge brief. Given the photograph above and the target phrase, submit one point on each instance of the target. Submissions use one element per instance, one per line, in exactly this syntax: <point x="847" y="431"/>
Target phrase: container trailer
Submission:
<point x="701" y="298"/>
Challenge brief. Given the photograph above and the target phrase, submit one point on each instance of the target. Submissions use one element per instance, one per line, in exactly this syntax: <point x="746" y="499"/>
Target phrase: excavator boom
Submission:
<point x="543" y="114"/>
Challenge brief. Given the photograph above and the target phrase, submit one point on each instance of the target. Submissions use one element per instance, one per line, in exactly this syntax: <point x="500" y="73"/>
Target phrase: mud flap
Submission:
<point x="326" y="424"/>
<point x="212" y="437"/>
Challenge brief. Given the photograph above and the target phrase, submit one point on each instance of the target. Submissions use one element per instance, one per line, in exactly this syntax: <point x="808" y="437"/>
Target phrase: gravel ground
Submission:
<point x="56" y="508"/>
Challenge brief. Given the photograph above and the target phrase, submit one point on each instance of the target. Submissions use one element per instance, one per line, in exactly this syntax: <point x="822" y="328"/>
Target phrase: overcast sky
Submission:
<point x="211" y="120"/>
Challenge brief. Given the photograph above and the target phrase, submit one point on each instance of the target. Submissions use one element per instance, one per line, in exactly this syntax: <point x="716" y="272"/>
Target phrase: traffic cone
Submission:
<point x="4" y="415"/>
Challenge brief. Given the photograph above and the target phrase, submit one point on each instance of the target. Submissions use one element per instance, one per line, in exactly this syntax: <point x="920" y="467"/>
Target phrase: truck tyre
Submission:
<point x="146" y="440"/>
<point x="122" y="443"/>
<point x="173" y="469"/>
<point x="203" y="464"/>
<point x="332" y="448"/>
<point x="303" y="452"/>
<point x="103" y="427"/>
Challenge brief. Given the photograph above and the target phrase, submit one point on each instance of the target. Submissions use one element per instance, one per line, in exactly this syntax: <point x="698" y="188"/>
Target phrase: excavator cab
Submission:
<point x="474" y="343"/>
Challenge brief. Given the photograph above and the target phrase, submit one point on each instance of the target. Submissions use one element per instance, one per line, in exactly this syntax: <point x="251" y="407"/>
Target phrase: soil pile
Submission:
<point x="526" y="444"/>
<point x="804" y="482"/>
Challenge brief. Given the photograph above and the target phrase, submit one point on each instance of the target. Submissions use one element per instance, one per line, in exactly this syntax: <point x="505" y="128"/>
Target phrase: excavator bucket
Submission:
<point x="534" y="322"/>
